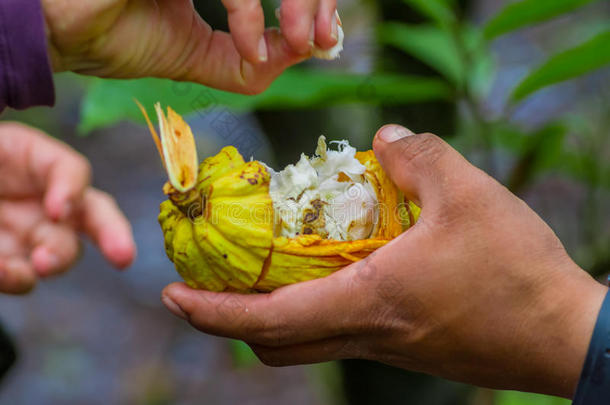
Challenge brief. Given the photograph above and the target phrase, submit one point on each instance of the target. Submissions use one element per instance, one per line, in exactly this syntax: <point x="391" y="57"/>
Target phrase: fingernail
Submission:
<point x="173" y="307"/>
<point x="392" y="133"/>
<point x="312" y="34"/>
<point x="262" y="50"/>
<point x="338" y="18"/>
<point x="334" y="33"/>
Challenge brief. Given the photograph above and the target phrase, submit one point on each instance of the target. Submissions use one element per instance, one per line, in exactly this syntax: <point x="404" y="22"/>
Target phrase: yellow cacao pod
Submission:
<point x="224" y="224"/>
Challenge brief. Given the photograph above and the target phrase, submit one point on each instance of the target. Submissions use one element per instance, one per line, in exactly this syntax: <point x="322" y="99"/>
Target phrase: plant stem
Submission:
<point x="464" y="93"/>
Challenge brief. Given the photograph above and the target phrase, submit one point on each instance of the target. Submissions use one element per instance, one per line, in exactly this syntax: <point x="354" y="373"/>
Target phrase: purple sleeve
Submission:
<point x="25" y="72"/>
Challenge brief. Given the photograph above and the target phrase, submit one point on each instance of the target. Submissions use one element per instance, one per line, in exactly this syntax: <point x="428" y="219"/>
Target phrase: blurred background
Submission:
<point x="521" y="88"/>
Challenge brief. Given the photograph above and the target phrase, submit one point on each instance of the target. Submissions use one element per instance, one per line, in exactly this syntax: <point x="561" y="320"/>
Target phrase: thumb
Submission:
<point x="423" y="166"/>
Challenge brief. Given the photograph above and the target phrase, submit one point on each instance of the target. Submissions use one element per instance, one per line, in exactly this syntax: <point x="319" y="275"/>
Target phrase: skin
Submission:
<point x="480" y="290"/>
<point x="46" y="200"/>
<point x="167" y="38"/>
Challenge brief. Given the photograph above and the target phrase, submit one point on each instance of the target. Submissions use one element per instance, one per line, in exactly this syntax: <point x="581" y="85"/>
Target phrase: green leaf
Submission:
<point x="545" y="151"/>
<point x="528" y="12"/>
<point x="439" y="11"/>
<point x="524" y="398"/>
<point x="243" y="356"/>
<point x="110" y="101"/>
<point x="586" y="168"/>
<point x="480" y="61"/>
<point x="540" y="152"/>
<point x="431" y="45"/>
<point x="585" y="58"/>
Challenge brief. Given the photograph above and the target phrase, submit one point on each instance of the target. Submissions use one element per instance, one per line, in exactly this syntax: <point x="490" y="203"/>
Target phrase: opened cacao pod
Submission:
<point x="236" y="225"/>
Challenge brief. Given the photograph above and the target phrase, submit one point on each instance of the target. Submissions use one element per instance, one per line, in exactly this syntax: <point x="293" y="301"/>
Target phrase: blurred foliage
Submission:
<point x="591" y="55"/>
<point x="241" y="354"/>
<point x="521" y="398"/>
<point x="110" y="101"/>
<point x="440" y="11"/>
<point x="526" y="12"/>
<point x="429" y="44"/>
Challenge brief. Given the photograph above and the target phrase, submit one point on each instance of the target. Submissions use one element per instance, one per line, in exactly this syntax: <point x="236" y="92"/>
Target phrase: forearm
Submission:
<point x="25" y="73"/>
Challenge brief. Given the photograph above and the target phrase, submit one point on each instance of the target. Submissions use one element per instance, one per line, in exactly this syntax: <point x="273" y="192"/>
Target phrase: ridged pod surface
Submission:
<point x="218" y="222"/>
<point x="223" y="239"/>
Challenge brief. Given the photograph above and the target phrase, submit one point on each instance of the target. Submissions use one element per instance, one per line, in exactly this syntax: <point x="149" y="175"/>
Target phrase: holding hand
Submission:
<point x="45" y="201"/>
<point x="480" y="290"/>
<point x="167" y="38"/>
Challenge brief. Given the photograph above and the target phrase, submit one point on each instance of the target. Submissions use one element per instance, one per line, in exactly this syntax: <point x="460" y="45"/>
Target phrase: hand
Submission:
<point x="167" y="38"/>
<point x="45" y="200"/>
<point x="480" y="290"/>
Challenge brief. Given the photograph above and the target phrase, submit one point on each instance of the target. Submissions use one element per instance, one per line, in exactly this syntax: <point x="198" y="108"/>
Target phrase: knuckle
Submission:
<point x="364" y="271"/>
<point x="472" y="194"/>
<point x="268" y="331"/>
<point x="423" y="149"/>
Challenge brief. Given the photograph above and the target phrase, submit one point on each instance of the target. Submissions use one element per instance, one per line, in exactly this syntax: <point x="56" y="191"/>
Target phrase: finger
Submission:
<point x="423" y="166"/>
<point x="337" y="348"/>
<point x="217" y="63"/>
<point x="298" y="313"/>
<point x="36" y="163"/>
<point x="297" y="22"/>
<point x="66" y="172"/>
<point x="103" y="221"/>
<point x="68" y="178"/>
<point x="18" y="217"/>
<point x="56" y="248"/>
<point x="10" y="244"/>
<point x="247" y="25"/>
<point x="16" y="276"/>
<point x="327" y="24"/>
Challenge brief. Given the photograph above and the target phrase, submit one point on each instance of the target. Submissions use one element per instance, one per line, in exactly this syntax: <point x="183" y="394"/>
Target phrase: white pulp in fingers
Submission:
<point x="335" y="51"/>
<point x="328" y="54"/>
<point x="326" y="195"/>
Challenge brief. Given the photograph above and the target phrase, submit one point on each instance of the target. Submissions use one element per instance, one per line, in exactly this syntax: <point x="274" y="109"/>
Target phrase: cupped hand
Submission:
<point x="167" y="38"/>
<point x="45" y="201"/>
<point x="480" y="290"/>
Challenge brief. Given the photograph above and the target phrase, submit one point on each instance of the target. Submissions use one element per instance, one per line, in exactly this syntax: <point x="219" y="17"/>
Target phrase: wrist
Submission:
<point x="593" y="385"/>
<point x="579" y="298"/>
